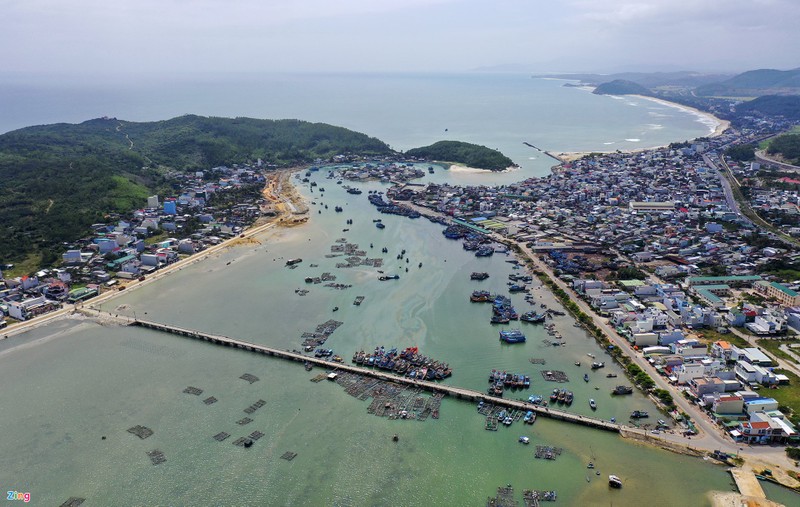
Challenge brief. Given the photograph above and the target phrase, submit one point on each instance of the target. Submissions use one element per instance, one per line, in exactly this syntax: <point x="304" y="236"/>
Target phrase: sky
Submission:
<point x="165" y="37"/>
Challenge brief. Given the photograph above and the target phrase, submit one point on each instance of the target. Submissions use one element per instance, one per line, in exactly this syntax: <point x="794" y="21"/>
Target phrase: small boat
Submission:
<point x="577" y="363"/>
<point x="478" y="276"/>
<point x="639" y="414"/>
<point x="586" y="377"/>
<point x="335" y="308"/>
<point x="611" y="375"/>
<point x="508" y="420"/>
<point x="395" y="438"/>
<point x="380" y="225"/>
<point x="590" y="355"/>
<point x="593" y="404"/>
<point x="529" y="417"/>
<point x="388" y="277"/>
<point x="614" y="481"/>
<point x="524" y="440"/>
<point x="590" y="465"/>
<point x="622" y="390"/>
<point x="597" y="365"/>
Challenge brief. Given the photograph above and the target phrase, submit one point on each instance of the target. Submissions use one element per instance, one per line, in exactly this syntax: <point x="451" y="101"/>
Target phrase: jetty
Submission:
<point x="747" y="483"/>
<point x="433" y="387"/>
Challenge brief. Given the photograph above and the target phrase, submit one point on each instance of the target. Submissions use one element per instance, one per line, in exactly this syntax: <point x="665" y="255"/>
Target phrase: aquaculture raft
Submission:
<point x="391" y="400"/>
<point x="289" y="455"/>
<point x="73" y="501"/>
<point x="250" y="378"/>
<point x="156" y="456"/>
<point x="537" y="360"/>
<point x="504" y="498"/>
<point x="555" y="376"/>
<point x="242" y="422"/>
<point x="141" y="431"/>
<point x="219" y="437"/>
<point x="547" y="452"/>
<point x="320" y="334"/>
<point x="532" y="497"/>
<point x="210" y="401"/>
<point x="255" y="406"/>
<point x="193" y="390"/>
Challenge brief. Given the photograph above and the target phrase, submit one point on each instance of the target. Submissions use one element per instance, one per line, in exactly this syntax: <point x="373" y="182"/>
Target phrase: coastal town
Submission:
<point x="650" y="245"/>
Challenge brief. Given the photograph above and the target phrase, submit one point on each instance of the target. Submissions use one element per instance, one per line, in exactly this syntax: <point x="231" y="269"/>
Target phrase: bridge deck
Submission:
<point x="457" y="392"/>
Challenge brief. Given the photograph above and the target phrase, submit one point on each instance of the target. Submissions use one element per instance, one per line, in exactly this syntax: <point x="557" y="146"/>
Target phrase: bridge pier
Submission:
<point x="444" y="389"/>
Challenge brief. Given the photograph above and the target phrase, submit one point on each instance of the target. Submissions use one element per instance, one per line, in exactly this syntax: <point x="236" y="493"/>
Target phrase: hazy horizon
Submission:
<point x="154" y="40"/>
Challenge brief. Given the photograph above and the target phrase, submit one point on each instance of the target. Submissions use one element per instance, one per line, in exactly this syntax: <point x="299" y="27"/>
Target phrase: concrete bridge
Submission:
<point x="434" y="387"/>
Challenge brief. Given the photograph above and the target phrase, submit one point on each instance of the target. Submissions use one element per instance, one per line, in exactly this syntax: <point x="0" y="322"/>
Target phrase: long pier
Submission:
<point x="449" y="390"/>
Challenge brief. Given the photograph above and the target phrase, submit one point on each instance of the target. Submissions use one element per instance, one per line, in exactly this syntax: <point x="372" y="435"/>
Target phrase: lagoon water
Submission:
<point x="73" y="382"/>
<point x="68" y="384"/>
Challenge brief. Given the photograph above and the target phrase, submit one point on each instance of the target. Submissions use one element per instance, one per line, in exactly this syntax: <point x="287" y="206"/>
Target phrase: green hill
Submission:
<point x="754" y="83"/>
<point x="56" y="180"/>
<point x="772" y="105"/>
<point x="621" y="87"/>
<point x="472" y="155"/>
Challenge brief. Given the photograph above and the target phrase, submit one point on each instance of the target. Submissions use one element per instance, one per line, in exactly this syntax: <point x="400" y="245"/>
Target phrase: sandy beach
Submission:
<point x="719" y="127"/>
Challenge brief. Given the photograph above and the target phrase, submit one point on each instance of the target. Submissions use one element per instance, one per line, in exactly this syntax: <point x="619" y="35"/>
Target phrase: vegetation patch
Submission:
<point x="472" y="155"/>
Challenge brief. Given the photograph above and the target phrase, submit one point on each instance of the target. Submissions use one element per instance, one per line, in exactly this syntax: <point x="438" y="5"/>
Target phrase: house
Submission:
<point x="728" y="404"/>
<point x="722" y="350"/>
<point x="750" y="355"/>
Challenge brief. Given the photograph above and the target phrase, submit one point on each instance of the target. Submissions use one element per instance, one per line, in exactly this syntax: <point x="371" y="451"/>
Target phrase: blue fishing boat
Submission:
<point x="512" y="336"/>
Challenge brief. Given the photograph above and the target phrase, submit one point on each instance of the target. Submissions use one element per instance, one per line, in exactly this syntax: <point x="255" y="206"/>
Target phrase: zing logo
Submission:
<point x="16" y="495"/>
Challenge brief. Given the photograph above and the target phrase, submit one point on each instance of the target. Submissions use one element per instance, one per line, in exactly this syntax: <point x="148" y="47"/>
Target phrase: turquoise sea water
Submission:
<point x="405" y="110"/>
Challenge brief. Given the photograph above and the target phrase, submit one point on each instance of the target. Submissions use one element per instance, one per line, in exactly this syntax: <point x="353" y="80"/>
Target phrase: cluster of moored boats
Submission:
<point x="376" y="199"/>
<point x="501" y="380"/>
<point x="408" y="362"/>
<point x="562" y="396"/>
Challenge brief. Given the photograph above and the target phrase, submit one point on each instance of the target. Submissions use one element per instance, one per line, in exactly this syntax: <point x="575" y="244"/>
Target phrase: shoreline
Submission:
<point x="284" y="199"/>
<point x="719" y="128"/>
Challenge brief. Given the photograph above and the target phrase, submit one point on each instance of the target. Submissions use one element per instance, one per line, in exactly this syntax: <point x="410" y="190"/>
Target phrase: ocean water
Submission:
<point x="74" y="382"/>
<point x="405" y="110"/>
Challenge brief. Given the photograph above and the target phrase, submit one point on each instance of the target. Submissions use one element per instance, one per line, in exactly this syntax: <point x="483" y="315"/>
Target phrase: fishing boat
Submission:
<point x="354" y="191"/>
<point x="568" y="398"/>
<point x="388" y="277"/>
<point x="529" y="418"/>
<point x="512" y="336"/>
<point x="611" y="375"/>
<point x="524" y="440"/>
<point x="577" y="363"/>
<point x="508" y="420"/>
<point x="532" y="317"/>
<point x="622" y="390"/>
<point x="554" y="395"/>
<point x="639" y="414"/>
<point x="597" y="365"/>
<point x="484" y="251"/>
<point x="590" y="355"/>
<point x="380" y="225"/>
<point x="614" y="481"/>
<point x="478" y="276"/>
<point x="292" y="262"/>
<point x="592" y="404"/>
